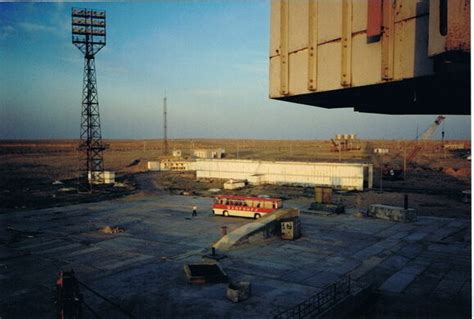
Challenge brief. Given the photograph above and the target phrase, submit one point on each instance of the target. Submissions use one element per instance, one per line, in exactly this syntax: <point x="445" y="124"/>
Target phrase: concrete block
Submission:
<point x="392" y="213"/>
<point x="332" y="208"/>
<point x="238" y="291"/>
<point x="204" y="273"/>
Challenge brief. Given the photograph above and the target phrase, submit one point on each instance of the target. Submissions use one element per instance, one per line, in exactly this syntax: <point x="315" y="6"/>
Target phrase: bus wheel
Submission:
<point x="225" y="213"/>
<point x="257" y="216"/>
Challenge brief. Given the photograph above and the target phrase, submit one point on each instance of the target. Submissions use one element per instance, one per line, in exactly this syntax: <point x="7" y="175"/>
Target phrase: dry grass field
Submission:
<point x="434" y="179"/>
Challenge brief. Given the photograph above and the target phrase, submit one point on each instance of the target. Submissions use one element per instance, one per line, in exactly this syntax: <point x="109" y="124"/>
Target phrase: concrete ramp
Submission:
<point x="261" y="228"/>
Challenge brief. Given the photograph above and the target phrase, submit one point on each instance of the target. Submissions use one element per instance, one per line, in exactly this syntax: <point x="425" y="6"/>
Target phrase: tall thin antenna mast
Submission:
<point x="165" y="135"/>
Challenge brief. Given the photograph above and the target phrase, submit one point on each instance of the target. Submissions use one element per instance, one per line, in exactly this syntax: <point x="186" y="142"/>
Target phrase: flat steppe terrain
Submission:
<point x="29" y="171"/>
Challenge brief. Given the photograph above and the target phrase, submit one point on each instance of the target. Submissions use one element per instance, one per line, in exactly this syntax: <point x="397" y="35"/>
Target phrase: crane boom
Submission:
<point x="426" y="136"/>
<point x="394" y="174"/>
<point x="430" y="130"/>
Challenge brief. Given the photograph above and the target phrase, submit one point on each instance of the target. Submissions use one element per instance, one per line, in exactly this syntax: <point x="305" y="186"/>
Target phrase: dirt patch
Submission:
<point x="111" y="230"/>
<point x="459" y="172"/>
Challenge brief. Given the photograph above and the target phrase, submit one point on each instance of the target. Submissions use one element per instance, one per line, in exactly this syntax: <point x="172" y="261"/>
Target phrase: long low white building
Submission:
<point x="351" y="176"/>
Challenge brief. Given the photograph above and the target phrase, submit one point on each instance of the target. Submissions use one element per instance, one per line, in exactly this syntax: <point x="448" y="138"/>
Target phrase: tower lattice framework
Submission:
<point x="88" y="35"/>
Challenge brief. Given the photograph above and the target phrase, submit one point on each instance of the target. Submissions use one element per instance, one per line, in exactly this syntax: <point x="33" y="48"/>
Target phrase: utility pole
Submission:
<point x="165" y="135"/>
<point x="442" y="134"/>
<point x="381" y="179"/>
<point x="404" y="163"/>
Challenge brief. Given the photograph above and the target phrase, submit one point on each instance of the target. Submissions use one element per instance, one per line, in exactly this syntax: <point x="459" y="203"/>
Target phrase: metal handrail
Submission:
<point x="320" y="301"/>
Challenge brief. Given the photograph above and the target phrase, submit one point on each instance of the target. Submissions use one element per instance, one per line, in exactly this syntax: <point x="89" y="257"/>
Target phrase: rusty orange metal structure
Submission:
<point x="378" y="56"/>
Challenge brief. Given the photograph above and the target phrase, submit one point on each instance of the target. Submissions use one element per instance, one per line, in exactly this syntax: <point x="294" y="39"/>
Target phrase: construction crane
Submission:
<point x="426" y="136"/>
<point x="396" y="174"/>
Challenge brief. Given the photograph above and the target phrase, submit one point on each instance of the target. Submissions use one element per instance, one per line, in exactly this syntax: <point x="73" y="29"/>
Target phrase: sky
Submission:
<point x="210" y="58"/>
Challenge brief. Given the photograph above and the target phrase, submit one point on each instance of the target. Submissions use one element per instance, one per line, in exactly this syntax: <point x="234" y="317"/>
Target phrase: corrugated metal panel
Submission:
<point x="343" y="57"/>
<point x="329" y="20"/>
<point x="298" y="72"/>
<point x="319" y="54"/>
<point x="274" y="28"/>
<point x="329" y="67"/>
<point x="297" y="23"/>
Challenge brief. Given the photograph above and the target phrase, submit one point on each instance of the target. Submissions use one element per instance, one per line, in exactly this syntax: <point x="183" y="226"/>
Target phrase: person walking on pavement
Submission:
<point x="194" y="211"/>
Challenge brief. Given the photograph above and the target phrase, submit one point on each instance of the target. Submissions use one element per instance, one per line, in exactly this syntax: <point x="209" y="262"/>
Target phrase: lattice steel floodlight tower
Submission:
<point x="88" y="35"/>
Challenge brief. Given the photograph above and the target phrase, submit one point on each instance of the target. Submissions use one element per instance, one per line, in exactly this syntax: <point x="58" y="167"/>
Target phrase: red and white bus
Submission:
<point x="243" y="206"/>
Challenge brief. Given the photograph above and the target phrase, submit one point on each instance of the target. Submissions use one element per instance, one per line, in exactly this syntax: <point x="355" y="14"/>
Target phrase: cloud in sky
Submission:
<point x="6" y="31"/>
<point x="31" y="27"/>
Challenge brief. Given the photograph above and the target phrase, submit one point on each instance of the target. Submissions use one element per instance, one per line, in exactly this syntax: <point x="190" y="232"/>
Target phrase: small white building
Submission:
<point x="381" y="150"/>
<point x="209" y="153"/>
<point x="169" y="165"/>
<point x="234" y="184"/>
<point x="107" y="177"/>
<point x="177" y="153"/>
<point x="454" y="146"/>
<point x="153" y="165"/>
